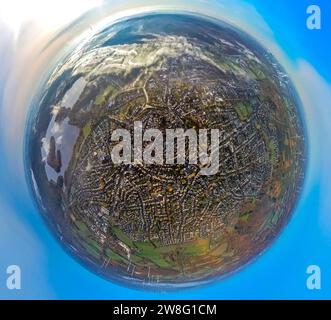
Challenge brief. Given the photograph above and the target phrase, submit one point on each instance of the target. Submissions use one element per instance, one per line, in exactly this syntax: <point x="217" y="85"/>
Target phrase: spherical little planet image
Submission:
<point x="166" y="224"/>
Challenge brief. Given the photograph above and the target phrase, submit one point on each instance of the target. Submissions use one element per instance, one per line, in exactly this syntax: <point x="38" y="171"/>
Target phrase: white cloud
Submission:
<point x="315" y="93"/>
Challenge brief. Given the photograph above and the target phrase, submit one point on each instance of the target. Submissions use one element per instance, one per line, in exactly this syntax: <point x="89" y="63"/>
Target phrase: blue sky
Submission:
<point x="287" y="19"/>
<point x="49" y="272"/>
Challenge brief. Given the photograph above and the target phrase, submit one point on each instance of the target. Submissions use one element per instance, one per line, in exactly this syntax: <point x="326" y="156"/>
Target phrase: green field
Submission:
<point x="244" y="110"/>
<point x="102" y="97"/>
